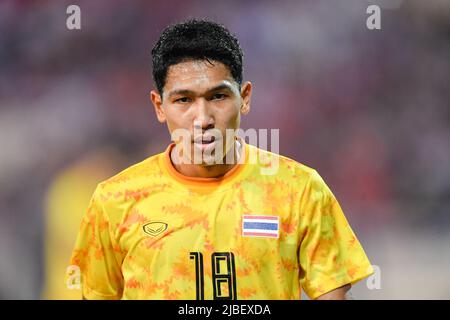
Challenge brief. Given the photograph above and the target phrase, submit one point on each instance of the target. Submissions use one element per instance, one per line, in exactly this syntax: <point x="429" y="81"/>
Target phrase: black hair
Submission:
<point x="196" y="39"/>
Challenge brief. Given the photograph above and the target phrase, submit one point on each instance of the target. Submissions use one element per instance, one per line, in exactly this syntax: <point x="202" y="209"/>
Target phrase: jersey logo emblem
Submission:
<point x="260" y="226"/>
<point x="154" y="228"/>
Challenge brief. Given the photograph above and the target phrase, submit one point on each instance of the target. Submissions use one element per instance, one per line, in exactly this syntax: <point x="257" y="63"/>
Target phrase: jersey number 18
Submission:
<point x="223" y="275"/>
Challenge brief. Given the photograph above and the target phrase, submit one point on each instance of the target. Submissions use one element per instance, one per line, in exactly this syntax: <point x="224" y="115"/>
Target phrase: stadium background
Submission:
<point x="368" y="109"/>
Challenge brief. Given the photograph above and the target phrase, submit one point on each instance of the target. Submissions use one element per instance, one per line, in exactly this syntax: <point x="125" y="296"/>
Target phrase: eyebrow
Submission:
<point x="185" y="91"/>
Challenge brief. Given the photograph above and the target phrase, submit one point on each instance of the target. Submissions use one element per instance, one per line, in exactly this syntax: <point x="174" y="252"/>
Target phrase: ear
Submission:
<point x="155" y="97"/>
<point x="246" y="94"/>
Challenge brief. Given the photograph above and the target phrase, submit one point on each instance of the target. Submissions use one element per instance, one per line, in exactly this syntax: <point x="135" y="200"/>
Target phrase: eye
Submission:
<point x="183" y="100"/>
<point x="219" y="96"/>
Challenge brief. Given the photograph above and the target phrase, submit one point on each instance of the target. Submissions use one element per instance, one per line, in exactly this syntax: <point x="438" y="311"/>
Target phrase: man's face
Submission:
<point x="203" y="99"/>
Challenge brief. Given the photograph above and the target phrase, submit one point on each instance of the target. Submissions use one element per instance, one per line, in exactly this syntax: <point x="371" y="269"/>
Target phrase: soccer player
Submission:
<point x="183" y="224"/>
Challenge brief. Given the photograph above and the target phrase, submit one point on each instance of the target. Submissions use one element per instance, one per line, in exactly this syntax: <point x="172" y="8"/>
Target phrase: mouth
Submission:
<point x="205" y="143"/>
<point x="205" y="140"/>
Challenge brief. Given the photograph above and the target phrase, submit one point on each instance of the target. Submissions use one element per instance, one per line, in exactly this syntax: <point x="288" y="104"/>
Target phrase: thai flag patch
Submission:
<point x="260" y="226"/>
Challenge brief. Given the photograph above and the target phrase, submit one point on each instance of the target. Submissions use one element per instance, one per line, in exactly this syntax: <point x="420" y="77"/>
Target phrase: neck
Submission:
<point x="202" y="171"/>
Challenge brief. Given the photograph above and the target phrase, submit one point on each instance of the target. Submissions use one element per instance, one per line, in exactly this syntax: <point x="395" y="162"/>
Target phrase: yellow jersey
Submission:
<point x="64" y="208"/>
<point x="153" y="233"/>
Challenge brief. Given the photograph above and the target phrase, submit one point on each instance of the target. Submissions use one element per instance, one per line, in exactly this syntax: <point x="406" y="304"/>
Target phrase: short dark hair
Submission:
<point x="196" y="39"/>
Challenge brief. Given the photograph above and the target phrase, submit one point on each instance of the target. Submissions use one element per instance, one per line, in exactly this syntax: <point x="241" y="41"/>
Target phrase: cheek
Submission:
<point x="233" y="120"/>
<point x="231" y="117"/>
<point x="175" y="120"/>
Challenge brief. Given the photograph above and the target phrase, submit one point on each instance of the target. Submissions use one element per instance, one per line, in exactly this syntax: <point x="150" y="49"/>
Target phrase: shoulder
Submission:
<point x="279" y="166"/>
<point x="130" y="180"/>
<point x="290" y="175"/>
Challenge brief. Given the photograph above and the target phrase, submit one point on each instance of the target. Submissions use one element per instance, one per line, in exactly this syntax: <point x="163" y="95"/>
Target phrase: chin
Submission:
<point x="209" y="160"/>
<point x="209" y="164"/>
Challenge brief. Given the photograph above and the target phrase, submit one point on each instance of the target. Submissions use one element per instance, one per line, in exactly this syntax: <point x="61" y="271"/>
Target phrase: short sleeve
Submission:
<point x="330" y="255"/>
<point x="97" y="255"/>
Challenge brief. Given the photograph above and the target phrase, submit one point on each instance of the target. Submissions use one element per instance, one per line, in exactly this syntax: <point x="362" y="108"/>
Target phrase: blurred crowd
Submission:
<point x="369" y="109"/>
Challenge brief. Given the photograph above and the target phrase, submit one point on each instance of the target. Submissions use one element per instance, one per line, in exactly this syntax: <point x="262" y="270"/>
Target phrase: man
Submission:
<point x="203" y="220"/>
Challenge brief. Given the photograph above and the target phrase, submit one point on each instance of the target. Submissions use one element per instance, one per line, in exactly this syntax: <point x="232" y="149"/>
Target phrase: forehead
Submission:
<point x="196" y="75"/>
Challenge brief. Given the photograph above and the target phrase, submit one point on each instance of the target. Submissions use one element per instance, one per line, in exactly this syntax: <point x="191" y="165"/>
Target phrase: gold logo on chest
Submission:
<point x="154" y="228"/>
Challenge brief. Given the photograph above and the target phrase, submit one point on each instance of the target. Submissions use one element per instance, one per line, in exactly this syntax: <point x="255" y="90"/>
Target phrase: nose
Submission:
<point x="203" y="118"/>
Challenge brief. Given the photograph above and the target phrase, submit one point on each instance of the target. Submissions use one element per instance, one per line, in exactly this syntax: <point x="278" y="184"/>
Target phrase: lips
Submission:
<point x="205" y="139"/>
